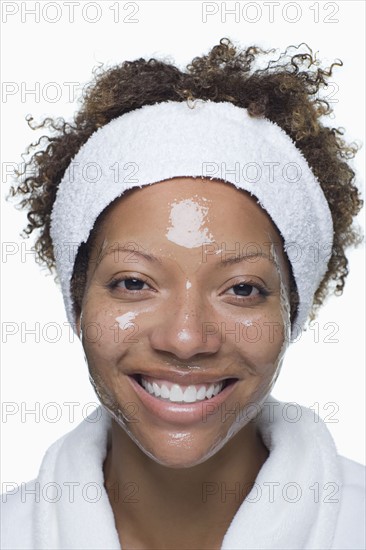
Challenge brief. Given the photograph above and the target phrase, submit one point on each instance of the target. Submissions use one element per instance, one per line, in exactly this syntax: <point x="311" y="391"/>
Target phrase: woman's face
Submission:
<point x="182" y="316"/>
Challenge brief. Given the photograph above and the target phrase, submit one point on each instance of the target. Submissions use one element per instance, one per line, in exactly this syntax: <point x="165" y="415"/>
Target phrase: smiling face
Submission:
<point x="183" y="337"/>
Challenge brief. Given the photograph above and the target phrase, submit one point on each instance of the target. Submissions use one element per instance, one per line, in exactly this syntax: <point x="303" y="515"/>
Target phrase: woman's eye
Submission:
<point x="129" y="284"/>
<point x="133" y="284"/>
<point x="245" y="290"/>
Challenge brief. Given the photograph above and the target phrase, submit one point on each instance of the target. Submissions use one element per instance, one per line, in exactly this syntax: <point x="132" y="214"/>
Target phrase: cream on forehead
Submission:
<point x="187" y="218"/>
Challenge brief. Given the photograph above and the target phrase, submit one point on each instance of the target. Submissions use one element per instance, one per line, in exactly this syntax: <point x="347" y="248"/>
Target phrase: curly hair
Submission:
<point x="285" y="91"/>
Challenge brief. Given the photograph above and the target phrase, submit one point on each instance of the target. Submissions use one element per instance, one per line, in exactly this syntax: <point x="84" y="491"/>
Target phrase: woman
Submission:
<point x="181" y="211"/>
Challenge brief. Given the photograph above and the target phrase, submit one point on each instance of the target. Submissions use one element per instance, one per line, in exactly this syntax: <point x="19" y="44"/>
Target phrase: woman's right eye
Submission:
<point x="133" y="284"/>
<point x="128" y="284"/>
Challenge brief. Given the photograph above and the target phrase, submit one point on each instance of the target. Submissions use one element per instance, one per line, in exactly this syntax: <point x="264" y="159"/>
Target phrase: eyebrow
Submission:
<point x="122" y="248"/>
<point x="242" y="257"/>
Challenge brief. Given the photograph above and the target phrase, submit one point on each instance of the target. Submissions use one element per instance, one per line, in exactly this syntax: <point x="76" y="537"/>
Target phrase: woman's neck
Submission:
<point x="157" y="507"/>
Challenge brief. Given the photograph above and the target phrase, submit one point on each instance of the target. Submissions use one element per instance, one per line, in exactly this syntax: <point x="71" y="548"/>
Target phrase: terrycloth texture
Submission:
<point x="326" y="512"/>
<point x="212" y="140"/>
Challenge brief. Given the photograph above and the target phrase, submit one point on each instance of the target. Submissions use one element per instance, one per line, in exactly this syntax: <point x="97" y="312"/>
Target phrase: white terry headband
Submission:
<point x="209" y="139"/>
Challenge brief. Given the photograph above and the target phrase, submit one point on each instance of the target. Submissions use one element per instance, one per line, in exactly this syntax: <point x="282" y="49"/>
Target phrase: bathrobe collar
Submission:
<point x="294" y="502"/>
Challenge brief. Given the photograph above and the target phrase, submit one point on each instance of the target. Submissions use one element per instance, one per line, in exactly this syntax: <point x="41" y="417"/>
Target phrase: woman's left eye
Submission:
<point x="247" y="290"/>
<point x="244" y="289"/>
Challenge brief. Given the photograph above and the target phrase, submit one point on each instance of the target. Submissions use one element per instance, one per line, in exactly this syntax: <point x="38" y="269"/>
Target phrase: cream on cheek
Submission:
<point x="285" y="308"/>
<point x="104" y="362"/>
<point x="106" y="335"/>
<point x="126" y="320"/>
<point x="187" y="219"/>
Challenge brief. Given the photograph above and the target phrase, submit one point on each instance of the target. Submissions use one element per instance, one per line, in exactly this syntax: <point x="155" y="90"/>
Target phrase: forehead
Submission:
<point x="182" y="205"/>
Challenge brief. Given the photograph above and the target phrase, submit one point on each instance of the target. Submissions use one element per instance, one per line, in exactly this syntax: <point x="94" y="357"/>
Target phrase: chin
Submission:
<point x="179" y="456"/>
<point x="175" y="448"/>
<point x="183" y="449"/>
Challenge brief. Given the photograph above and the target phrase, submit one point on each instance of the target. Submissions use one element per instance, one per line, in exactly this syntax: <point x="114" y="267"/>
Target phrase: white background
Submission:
<point x="328" y="377"/>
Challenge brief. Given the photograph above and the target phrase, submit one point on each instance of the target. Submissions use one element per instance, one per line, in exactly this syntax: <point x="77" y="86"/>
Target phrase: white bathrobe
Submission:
<point x="306" y="496"/>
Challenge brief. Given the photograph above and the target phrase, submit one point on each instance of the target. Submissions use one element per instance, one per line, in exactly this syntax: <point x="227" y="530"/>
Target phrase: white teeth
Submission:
<point x="201" y="393"/>
<point x="209" y="392"/>
<point x="164" y="392"/>
<point x="190" y="395"/>
<point x="176" y="394"/>
<point x="156" y="389"/>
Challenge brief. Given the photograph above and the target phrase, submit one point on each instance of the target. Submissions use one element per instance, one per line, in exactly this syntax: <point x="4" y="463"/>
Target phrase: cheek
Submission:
<point x="107" y="331"/>
<point x="108" y="336"/>
<point x="259" y="337"/>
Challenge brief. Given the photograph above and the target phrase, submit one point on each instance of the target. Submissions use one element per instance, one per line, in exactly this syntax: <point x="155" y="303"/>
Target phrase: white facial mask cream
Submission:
<point x="187" y="218"/>
<point x="126" y="320"/>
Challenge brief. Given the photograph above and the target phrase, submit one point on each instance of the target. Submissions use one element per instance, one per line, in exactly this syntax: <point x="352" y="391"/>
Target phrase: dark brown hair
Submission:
<point x="286" y="91"/>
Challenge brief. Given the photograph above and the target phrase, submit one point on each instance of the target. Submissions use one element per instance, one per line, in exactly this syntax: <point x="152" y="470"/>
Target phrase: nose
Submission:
<point x="179" y="330"/>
